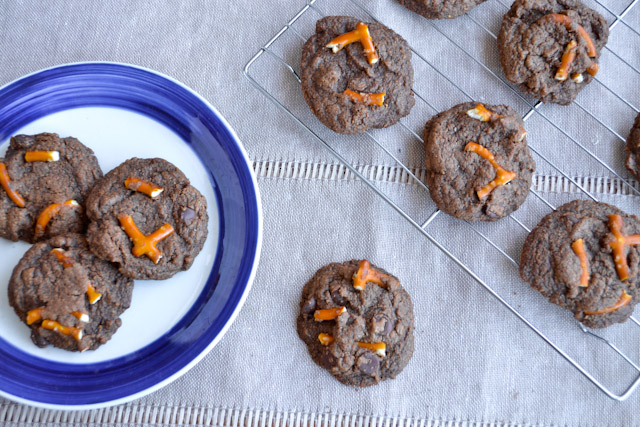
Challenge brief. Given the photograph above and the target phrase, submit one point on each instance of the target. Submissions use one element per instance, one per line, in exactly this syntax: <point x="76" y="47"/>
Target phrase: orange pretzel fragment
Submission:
<point x="568" y="23"/>
<point x="62" y="257"/>
<point x="5" y="181"/>
<point x="503" y="176"/>
<point x="568" y="57"/>
<point x="378" y="348"/>
<point x="578" y="249"/>
<point x="360" y="34"/>
<point x="42" y="156"/>
<point x="366" y="274"/>
<point x="48" y="213"/>
<point x="145" y="187"/>
<point x="365" y="98"/>
<point x="328" y="313"/>
<point x="144" y="245"/>
<point x="481" y="113"/>
<point x="624" y="300"/>
<point x="577" y="77"/>
<point x="593" y="68"/>
<point x="619" y="245"/>
<point x="81" y="316"/>
<point x="64" y="330"/>
<point x="325" y="339"/>
<point x="34" y="315"/>
<point x="93" y="295"/>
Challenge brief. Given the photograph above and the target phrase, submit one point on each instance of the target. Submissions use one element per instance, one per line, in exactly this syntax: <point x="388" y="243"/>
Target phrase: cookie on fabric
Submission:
<point x="356" y="76"/>
<point x="479" y="167"/>
<point x="147" y="218"/>
<point x="44" y="181"/>
<point x="440" y="9"/>
<point x="67" y="296"/>
<point x="633" y="149"/>
<point x="551" y="48"/>
<point x="585" y="257"/>
<point x="357" y="322"/>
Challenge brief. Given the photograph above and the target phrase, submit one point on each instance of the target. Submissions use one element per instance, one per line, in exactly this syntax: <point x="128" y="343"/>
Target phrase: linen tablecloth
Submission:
<point x="475" y="363"/>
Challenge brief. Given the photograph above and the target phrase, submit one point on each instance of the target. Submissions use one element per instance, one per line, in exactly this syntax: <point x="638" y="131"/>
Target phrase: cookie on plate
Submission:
<point x="478" y="163"/>
<point x="550" y="48"/>
<point x="585" y="257"/>
<point x="357" y="322"/>
<point x="44" y="182"/>
<point x="67" y="296"/>
<point x="356" y="76"/>
<point x="147" y="218"/>
<point x="633" y="149"/>
<point x="440" y="9"/>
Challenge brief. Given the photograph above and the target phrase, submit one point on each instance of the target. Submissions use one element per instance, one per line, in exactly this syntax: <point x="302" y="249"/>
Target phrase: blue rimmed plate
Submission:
<point x="122" y="111"/>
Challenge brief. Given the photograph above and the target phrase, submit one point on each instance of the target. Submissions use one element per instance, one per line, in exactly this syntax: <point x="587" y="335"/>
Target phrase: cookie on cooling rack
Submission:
<point x="440" y="9"/>
<point x="550" y="48"/>
<point x="67" y="296"/>
<point x="356" y="76"/>
<point x="478" y="163"/>
<point x="357" y="322"/>
<point x="585" y="257"/>
<point x="45" y="180"/>
<point x="147" y="218"/>
<point x="633" y="149"/>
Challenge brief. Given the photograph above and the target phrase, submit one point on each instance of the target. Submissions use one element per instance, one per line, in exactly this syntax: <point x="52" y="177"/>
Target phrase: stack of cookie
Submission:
<point x="92" y="235"/>
<point x="584" y="256"/>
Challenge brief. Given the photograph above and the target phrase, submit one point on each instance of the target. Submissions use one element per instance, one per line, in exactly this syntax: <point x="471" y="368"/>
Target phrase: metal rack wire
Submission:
<point x="425" y="226"/>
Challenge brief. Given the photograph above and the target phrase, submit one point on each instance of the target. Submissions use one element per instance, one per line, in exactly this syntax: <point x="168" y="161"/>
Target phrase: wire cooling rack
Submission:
<point x="274" y="72"/>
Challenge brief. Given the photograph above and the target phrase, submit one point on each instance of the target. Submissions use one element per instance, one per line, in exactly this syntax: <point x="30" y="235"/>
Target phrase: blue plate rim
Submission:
<point x="255" y="262"/>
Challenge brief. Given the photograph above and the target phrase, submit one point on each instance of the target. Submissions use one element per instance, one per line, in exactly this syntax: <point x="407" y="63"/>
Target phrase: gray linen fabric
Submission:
<point x="475" y="363"/>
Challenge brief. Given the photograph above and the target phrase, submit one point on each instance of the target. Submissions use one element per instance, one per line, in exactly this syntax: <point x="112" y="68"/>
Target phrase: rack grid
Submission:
<point x="615" y="183"/>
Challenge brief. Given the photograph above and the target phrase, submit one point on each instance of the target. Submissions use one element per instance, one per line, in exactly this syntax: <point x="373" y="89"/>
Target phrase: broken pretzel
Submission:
<point x="5" y="181"/>
<point x="503" y="176"/>
<point x="360" y="34"/>
<point x="144" y="245"/>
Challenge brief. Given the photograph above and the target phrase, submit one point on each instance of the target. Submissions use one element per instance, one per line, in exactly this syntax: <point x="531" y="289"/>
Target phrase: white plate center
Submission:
<point x="117" y="135"/>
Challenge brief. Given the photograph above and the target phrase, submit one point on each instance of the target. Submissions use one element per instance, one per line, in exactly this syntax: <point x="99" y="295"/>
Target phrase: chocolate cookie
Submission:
<point x="550" y="48"/>
<point x="68" y="297"/>
<point x="356" y="76"/>
<point x="147" y="218"/>
<point x="440" y="9"/>
<point x="633" y="149"/>
<point x="478" y="161"/>
<point x="357" y="322"/>
<point x="584" y="257"/>
<point x="45" y="180"/>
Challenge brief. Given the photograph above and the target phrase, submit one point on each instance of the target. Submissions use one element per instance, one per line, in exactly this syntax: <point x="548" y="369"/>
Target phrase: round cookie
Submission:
<point x="326" y="76"/>
<point x="158" y="202"/>
<point x="534" y="38"/>
<point x="440" y="9"/>
<point x="69" y="298"/>
<point x="569" y="258"/>
<point x="633" y="149"/>
<point x="355" y="320"/>
<point x="460" y="175"/>
<point x="41" y="187"/>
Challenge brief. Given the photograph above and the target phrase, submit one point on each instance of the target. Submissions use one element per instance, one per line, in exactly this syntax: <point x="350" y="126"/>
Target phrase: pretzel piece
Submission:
<point x="145" y="187"/>
<point x="378" y="348"/>
<point x="366" y="274"/>
<point x="34" y="315"/>
<point x="41" y="156"/>
<point x="624" y="300"/>
<point x="48" y="213"/>
<point x="61" y="254"/>
<point x="619" y="245"/>
<point x="81" y="316"/>
<point x="365" y="98"/>
<point x="579" y="250"/>
<point x="93" y="295"/>
<point x="360" y="34"/>
<point x="503" y="176"/>
<point x="64" y="330"/>
<point x="325" y="339"/>
<point x="328" y="313"/>
<point x="144" y="245"/>
<point x="568" y="57"/>
<point x="5" y="181"/>
<point x="565" y="20"/>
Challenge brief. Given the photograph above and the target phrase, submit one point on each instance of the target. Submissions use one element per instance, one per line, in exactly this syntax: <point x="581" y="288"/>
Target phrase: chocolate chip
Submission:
<point x="338" y="295"/>
<point x="369" y="363"/>
<point x="309" y="306"/>
<point x="383" y="325"/>
<point x="187" y="215"/>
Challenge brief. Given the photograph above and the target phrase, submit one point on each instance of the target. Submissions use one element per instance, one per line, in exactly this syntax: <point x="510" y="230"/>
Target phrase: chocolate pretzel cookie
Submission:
<point x="147" y="218"/>
<point x="478" y="163"/>
<point x="440" y="9"/>
<point x="68" y="297"/>
<point x="356" y="76"/>
<point x="550" y="48"/>
<point x="585" y="257"/>
<point x="633" y="149"/>
<point x="357" y="322"/>
<point x="45" y="180"/>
